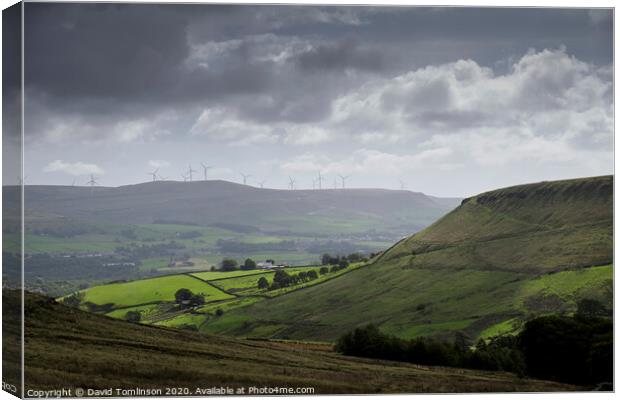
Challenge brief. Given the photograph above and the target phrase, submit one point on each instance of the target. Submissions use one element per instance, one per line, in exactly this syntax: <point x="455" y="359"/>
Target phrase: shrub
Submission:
<point x="133" y="316"/>
<point x="263" y="283"/>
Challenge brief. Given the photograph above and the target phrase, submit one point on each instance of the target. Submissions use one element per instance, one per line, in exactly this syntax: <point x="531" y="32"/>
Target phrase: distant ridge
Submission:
<point x="213" y="202"/>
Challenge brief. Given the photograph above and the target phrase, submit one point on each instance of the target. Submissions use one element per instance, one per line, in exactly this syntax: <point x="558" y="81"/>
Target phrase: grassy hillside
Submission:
<point x="68" y="348"/>
<point x="496" y="260"/>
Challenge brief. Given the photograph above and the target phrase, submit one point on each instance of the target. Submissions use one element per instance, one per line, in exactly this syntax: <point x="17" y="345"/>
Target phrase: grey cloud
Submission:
<point x="340" y="56"/>
<point x="319" y="78"/>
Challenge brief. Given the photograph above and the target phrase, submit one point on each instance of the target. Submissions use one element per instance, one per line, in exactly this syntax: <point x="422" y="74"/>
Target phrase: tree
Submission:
<point x="325" y="258"/>
<point x="354" y="257"/>
<point x="343" y="263"/>
<point x="312" y="275"/>
<point x="133" y="316"/>
<point x="249" y="264"/>
<point x="183" y="295"/>
<point x="282" y="278"/>
<point x="219" y="312"/>
<point x="197" y="300"/>
<point x="263" y="283"/>
<point x="272" y="262"/>
<point x="229" y="264"/>
<point x="323" y="270"/>
<point x="588" y="308"/>
<point x="74" y="299"/>
<point x="573" y="350"/>
<point x="303" y="275"/>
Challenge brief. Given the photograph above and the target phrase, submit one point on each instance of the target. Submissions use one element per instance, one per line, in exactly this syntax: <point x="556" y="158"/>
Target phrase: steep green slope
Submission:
<point x="67" y="348"/>
<point x="496" y="260"/>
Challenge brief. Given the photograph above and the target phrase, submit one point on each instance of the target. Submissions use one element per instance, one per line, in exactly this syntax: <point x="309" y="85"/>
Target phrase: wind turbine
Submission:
<point x="402" y="184"/>
<point x="162" y="178"/>
<point x="261" y="183"/>
<point x="313" y="184"/>
<point x="73" y="183"/>
<point x="245" y="178"/>
<point x="184" y="177"/>
<point x="335" y="183"/>
<point x="153" y="174"/>
<point x="190" y="171"/>
<point x="291" y="183"/>
<point x="206" y="168"/>
<point x="343" y="179"/>
<point x="92" y="182"/>
<point x="320" y="180"/>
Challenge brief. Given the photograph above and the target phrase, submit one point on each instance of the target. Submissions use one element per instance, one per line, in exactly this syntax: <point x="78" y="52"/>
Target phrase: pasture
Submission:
<point x="161" y="289"/>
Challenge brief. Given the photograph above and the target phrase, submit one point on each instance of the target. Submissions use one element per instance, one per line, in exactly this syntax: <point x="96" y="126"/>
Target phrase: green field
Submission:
<point x="212" y="275"/>
<point x="153" y="298"/>
<point x="150" y="291"/>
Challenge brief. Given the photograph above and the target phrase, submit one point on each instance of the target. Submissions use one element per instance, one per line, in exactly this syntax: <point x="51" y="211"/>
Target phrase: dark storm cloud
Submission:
<point x="269" y="64"/>
<point x="11" y="73"/>
<point x="340" y="56"/>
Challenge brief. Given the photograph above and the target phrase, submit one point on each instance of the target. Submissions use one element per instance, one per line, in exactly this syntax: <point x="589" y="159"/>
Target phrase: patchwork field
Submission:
<point x="150" y="291"/>
<point x="154" y="298"/>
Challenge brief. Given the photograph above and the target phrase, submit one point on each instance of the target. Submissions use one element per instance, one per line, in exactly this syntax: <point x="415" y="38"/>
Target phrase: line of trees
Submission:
<point x="328" y="259"/>
<point x="576" y="350"/>
<point x="230" y="264"/>
<point x="283" y="279"/>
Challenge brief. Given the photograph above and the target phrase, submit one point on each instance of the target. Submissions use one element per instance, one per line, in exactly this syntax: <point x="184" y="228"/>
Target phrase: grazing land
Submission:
<point x="150" y="291"/>
<point x="154" y="298"/>
<point x="497" y="260"/>
<point x="70" y="348"/>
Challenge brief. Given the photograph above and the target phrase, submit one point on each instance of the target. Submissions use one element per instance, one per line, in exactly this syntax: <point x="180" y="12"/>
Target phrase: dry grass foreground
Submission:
<point x="70" y="348"/>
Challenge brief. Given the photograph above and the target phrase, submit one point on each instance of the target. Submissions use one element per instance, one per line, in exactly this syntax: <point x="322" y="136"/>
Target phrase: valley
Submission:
<point x="477" y="274"/>
<point x="78" y="237"/>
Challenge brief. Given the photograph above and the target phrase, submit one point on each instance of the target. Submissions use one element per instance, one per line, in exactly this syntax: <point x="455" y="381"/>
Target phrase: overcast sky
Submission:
<point x="452" y="101"/>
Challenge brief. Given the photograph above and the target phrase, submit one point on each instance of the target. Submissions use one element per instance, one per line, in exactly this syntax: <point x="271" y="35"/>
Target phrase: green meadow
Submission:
<point x="150" y="291"/>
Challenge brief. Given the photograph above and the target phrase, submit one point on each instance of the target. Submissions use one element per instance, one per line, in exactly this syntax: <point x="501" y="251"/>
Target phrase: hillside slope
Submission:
<point x="68" y="348"/>
<point x="491" y="263"/>
<point x="221" y="202"/>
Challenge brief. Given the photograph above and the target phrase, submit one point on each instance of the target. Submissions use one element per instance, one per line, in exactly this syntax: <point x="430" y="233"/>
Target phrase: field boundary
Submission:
<point x="213" y="286"/>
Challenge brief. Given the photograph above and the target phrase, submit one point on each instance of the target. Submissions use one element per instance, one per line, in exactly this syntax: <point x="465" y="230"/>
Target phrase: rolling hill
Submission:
<point x="69" y="348"/>
<point x="235" y="206"/>
<point x="496" y="260"/>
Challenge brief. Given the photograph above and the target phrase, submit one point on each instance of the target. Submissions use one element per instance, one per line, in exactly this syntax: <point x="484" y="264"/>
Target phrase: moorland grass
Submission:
<point x="69" y="348"/>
